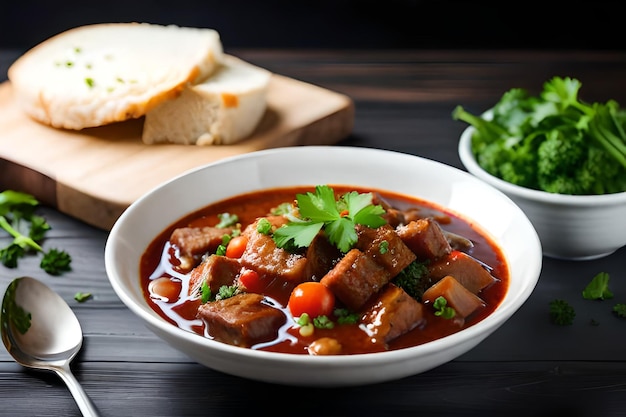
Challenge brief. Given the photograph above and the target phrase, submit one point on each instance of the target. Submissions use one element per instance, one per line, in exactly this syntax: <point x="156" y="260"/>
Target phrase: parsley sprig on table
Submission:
<point x="19" y="220"/>
<point x="322" y="211"/>
<point x="562" y="313"/>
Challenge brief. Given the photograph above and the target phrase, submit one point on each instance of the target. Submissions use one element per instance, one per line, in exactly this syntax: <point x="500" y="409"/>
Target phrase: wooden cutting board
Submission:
<point x="95" y="174"/>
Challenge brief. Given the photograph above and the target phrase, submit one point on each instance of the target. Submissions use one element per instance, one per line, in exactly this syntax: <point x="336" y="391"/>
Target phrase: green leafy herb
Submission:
<point x="227" y="220"/>
<point x="553" y="142"/>
<point x="205" y="292"/>
<point x="561" y="312"/>
<point x="338" y="218"/>
<point x="413" y="279"/>
<point x="598" y="288"/>
<point x="282" y="209"/>
<point x="226" y="291"/>
<point x="18" y="219"/>
<point x="384" y="247"/>
<point x="620" y="310"/>
<point x="344" y="316"/>
<point x="264" y="226"/>
<point x="55" y="262"/>
<point x="442" y="309"/>
<point x="323" y="322"/>
<point x="81" y="297"/>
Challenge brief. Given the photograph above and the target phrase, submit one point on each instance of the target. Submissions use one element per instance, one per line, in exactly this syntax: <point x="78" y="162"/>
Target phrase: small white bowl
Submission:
<point x="314" y="165"/>
<point x="573" y="227"/>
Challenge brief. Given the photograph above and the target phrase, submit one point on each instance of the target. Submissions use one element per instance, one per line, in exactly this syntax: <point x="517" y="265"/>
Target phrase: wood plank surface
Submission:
<point x="94" y="174"/>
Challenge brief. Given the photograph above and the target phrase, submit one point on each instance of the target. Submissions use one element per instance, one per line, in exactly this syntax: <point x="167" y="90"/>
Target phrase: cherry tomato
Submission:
<point x="165" y="288"/>
<point x="251" y="280"/>
<point x="312" y="298"/>
<point x="236" y="246"/>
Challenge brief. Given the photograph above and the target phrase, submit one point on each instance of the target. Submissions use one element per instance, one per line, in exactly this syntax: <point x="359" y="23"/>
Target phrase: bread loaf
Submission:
<point x="98" y="74"/>
<point x="223" y="109"/>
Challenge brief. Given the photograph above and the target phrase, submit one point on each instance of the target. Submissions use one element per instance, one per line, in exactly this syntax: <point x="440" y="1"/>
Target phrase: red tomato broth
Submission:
<point x="159" y="258"/>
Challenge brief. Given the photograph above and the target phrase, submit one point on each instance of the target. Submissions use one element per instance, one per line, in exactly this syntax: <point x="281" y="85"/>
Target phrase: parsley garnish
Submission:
<point x="561" y="312"/>
<point x="598" y="288"/>
<point x="81" y="297"/>
<point x="620" y="310"/>
<point x="227" y="220"/>
<point x="18" y="219"/>
<point x="442" y="309"/>
<point x="337" y="218"/>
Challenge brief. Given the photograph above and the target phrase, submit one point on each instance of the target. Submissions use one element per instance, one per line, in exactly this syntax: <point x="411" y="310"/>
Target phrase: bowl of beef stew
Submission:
<point x="323" y="266"/>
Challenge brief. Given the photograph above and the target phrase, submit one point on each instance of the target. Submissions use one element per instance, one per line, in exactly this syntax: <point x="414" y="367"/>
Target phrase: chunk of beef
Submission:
<point x="393" y="255"/>
<point x="193" y="242"/>
<point x="393" y="313"/>
<point x="425" y="238"/>
<point x="262" y="255"/>
<point x="356" y="278"/>
<point x="242" y="320"/>
<point x="216" y="271"/>
<point x="462" y="300"/>
<point x="321" y="257"/>
<point x="467" y="270"/>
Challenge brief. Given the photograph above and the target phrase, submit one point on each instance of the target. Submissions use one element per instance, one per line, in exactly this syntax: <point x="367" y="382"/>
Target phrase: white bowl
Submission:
<point x="313" y="165"/>
<point x="574" y="227"/>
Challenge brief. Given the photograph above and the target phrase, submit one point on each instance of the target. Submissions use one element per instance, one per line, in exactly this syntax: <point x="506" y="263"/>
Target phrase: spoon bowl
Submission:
<point x="41" y="332"/>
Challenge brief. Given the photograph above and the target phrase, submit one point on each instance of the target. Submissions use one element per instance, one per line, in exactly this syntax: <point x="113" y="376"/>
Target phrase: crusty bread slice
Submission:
<point x="223" y="109"/>
<point x="98" y="74"/>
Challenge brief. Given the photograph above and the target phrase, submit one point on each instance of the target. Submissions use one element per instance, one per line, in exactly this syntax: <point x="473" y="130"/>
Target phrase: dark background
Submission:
<point x="339" y="23"/>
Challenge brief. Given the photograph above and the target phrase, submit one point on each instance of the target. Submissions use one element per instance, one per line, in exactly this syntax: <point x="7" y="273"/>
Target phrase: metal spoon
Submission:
<point x="41" y="331"/>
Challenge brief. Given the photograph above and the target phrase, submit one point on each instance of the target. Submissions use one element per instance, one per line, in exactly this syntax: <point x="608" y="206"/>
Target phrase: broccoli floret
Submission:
<point x="559" y="157"/>
<point x="554" y="142"/>
<point x="413" y="279"/>
<point x="561" y="312"/>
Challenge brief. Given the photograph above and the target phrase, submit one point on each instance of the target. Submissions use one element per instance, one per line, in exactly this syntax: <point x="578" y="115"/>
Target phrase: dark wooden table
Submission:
<point x="404" y="101"/>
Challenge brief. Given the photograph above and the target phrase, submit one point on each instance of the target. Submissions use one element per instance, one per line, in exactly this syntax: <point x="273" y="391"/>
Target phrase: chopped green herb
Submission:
<point x="337" y="218"/>
<point x="264" y="226"/>
<point x="226" y="291"/>
<point x="384" y="247"/>
<point x="55" y="262"/>
<point x="413" y="279"/>
<point x="344" y="316"/>
<point x="90" y="82"/>
<point x="561" y="312"/>
<point x="81" y="297"/>
<point x="282" y="209"/>
<point x="18" y="219"/>
<point x="620" y="310"/>
<point x="205" y="292"/>
<point x="598" y="288"/>
<point x="442" y="309"/>
<point x="227" y="220"/>
<point x="323" y="322"/>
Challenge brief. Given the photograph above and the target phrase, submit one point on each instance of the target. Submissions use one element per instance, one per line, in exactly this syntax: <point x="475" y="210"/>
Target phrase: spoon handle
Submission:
<point x="85" y="404"/>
